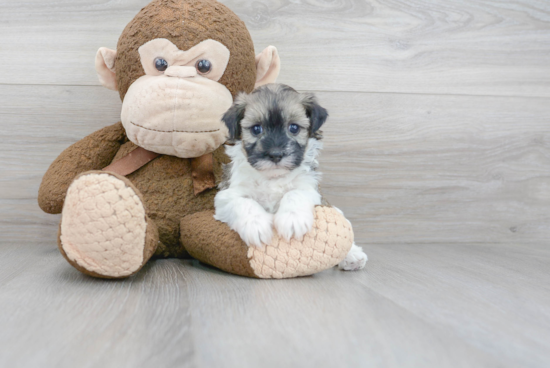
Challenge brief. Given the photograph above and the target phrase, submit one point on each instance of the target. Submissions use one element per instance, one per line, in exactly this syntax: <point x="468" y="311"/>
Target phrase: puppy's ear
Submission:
<point x="316" y="113"/>
<point x="232" y="119"/>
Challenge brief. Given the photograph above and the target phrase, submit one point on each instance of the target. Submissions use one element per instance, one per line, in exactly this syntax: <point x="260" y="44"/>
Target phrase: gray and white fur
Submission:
<point x="272" y="180"/>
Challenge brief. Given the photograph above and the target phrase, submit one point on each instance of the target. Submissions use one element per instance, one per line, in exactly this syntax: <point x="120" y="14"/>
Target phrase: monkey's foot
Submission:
<point x="104" y="231"/>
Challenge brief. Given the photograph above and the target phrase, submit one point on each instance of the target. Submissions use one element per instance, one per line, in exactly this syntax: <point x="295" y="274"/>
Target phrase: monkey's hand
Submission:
<point x="94" y="152"/>
<point x="295" y="215"/>
<point x="245" y="216"/>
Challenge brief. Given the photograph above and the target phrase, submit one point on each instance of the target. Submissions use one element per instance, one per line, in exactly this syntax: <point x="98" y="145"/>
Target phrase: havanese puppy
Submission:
<point x="273" y="180"/>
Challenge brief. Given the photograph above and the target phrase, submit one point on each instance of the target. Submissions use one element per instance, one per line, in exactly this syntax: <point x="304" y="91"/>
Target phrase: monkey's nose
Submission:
<point x="181" y="71"/>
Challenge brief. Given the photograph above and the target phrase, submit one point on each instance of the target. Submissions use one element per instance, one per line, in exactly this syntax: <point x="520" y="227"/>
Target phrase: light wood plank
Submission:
<point x="444" y="47"/>
<point x="448" y="194"/>
<point x="404" y="168"/>
<point x="323" y="321"/>
<point x="54" y="316"/>
<point x="480" y="292"/>
<point x="415" y="305"/>
<point x="410" y="168"/>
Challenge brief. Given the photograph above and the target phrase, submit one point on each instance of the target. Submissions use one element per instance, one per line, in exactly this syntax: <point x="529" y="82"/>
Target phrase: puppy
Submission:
<point x="272" y="180"/>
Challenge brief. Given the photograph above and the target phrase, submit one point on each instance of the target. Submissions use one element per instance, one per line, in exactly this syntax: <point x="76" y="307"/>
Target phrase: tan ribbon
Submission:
<point x="132" y="162"/>
<point x="202" y="168"/>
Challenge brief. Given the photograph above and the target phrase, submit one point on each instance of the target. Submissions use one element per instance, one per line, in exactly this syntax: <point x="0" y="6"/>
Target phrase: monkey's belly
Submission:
<point x="166" y="186"/>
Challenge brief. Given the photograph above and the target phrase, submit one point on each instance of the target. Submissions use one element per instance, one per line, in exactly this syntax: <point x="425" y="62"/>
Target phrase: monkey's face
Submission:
<point x="195" y="56"/>
<point x="176" y="107"/>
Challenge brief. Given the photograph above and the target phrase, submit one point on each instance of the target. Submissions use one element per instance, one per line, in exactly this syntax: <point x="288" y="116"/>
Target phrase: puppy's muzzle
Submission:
<point x="276" y="154"/>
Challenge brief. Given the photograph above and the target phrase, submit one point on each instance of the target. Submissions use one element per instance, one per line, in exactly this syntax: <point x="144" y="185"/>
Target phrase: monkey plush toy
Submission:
<point x="145" y="187"/>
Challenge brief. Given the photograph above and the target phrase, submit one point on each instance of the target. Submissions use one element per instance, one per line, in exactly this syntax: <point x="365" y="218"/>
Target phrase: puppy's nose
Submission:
<point x="276" y="155"/>
<point x="181" y="71"/>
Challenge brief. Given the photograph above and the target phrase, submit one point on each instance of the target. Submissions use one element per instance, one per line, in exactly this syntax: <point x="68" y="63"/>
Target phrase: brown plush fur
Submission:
<point x="166" y="183"/>
<point x="187" y="23"/>
<point x="214" y="243"/>
<point x="94" y="152"/>
<point x="167" y="188"/>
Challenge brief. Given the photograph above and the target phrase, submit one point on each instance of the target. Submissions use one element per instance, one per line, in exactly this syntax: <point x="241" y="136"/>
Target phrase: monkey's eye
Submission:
<point x="257" y="130"/>
<point x="204" y="66"/>
<point x="294" y="128"/>
<point x="161" y="64"/>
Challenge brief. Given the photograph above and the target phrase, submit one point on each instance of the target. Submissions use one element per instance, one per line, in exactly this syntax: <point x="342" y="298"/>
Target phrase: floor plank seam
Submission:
<point x="320" y="91"/>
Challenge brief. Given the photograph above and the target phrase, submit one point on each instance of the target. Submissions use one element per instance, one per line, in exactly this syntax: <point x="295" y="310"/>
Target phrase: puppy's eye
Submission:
<point x="161" y="64"/>
<point x="257" y="130"/>
<point x="293" y="128"/>
<point x="204" y="66"/>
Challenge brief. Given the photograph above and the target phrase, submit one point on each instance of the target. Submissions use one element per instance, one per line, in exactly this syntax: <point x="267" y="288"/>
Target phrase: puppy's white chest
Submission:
<point x="269" y="194"/>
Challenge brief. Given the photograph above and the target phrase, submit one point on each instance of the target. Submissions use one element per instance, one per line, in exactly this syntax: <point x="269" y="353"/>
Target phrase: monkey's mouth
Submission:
<point x="175" y="131"/>
<point x="180" y="117"/>
<point x="183" y="143"/>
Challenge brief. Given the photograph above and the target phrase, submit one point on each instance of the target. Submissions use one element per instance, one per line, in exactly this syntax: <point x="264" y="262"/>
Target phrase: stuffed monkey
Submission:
<point x="145" y="186"/>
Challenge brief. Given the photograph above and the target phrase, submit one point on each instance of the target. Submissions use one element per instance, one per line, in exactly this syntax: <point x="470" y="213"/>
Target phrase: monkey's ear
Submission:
<point x="316" y="113"/>
<point x="105" y="67"/>
<point x="268" y="66"/>
<point x="232" y="119"/>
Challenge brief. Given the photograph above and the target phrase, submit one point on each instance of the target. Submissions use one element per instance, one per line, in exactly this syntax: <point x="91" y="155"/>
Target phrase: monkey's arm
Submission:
<point x="94" y="152"/>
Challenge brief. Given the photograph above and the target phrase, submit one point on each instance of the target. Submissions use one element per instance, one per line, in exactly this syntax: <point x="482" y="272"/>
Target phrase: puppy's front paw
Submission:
<point x="293" y="223"/>
<point x="355" y="259"/>
<point x="257" y="230"/>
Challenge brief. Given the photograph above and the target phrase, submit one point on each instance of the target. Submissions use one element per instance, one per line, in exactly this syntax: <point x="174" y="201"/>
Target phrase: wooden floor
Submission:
<point x="416" y="305"/>
<point x="437" y="149"/>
